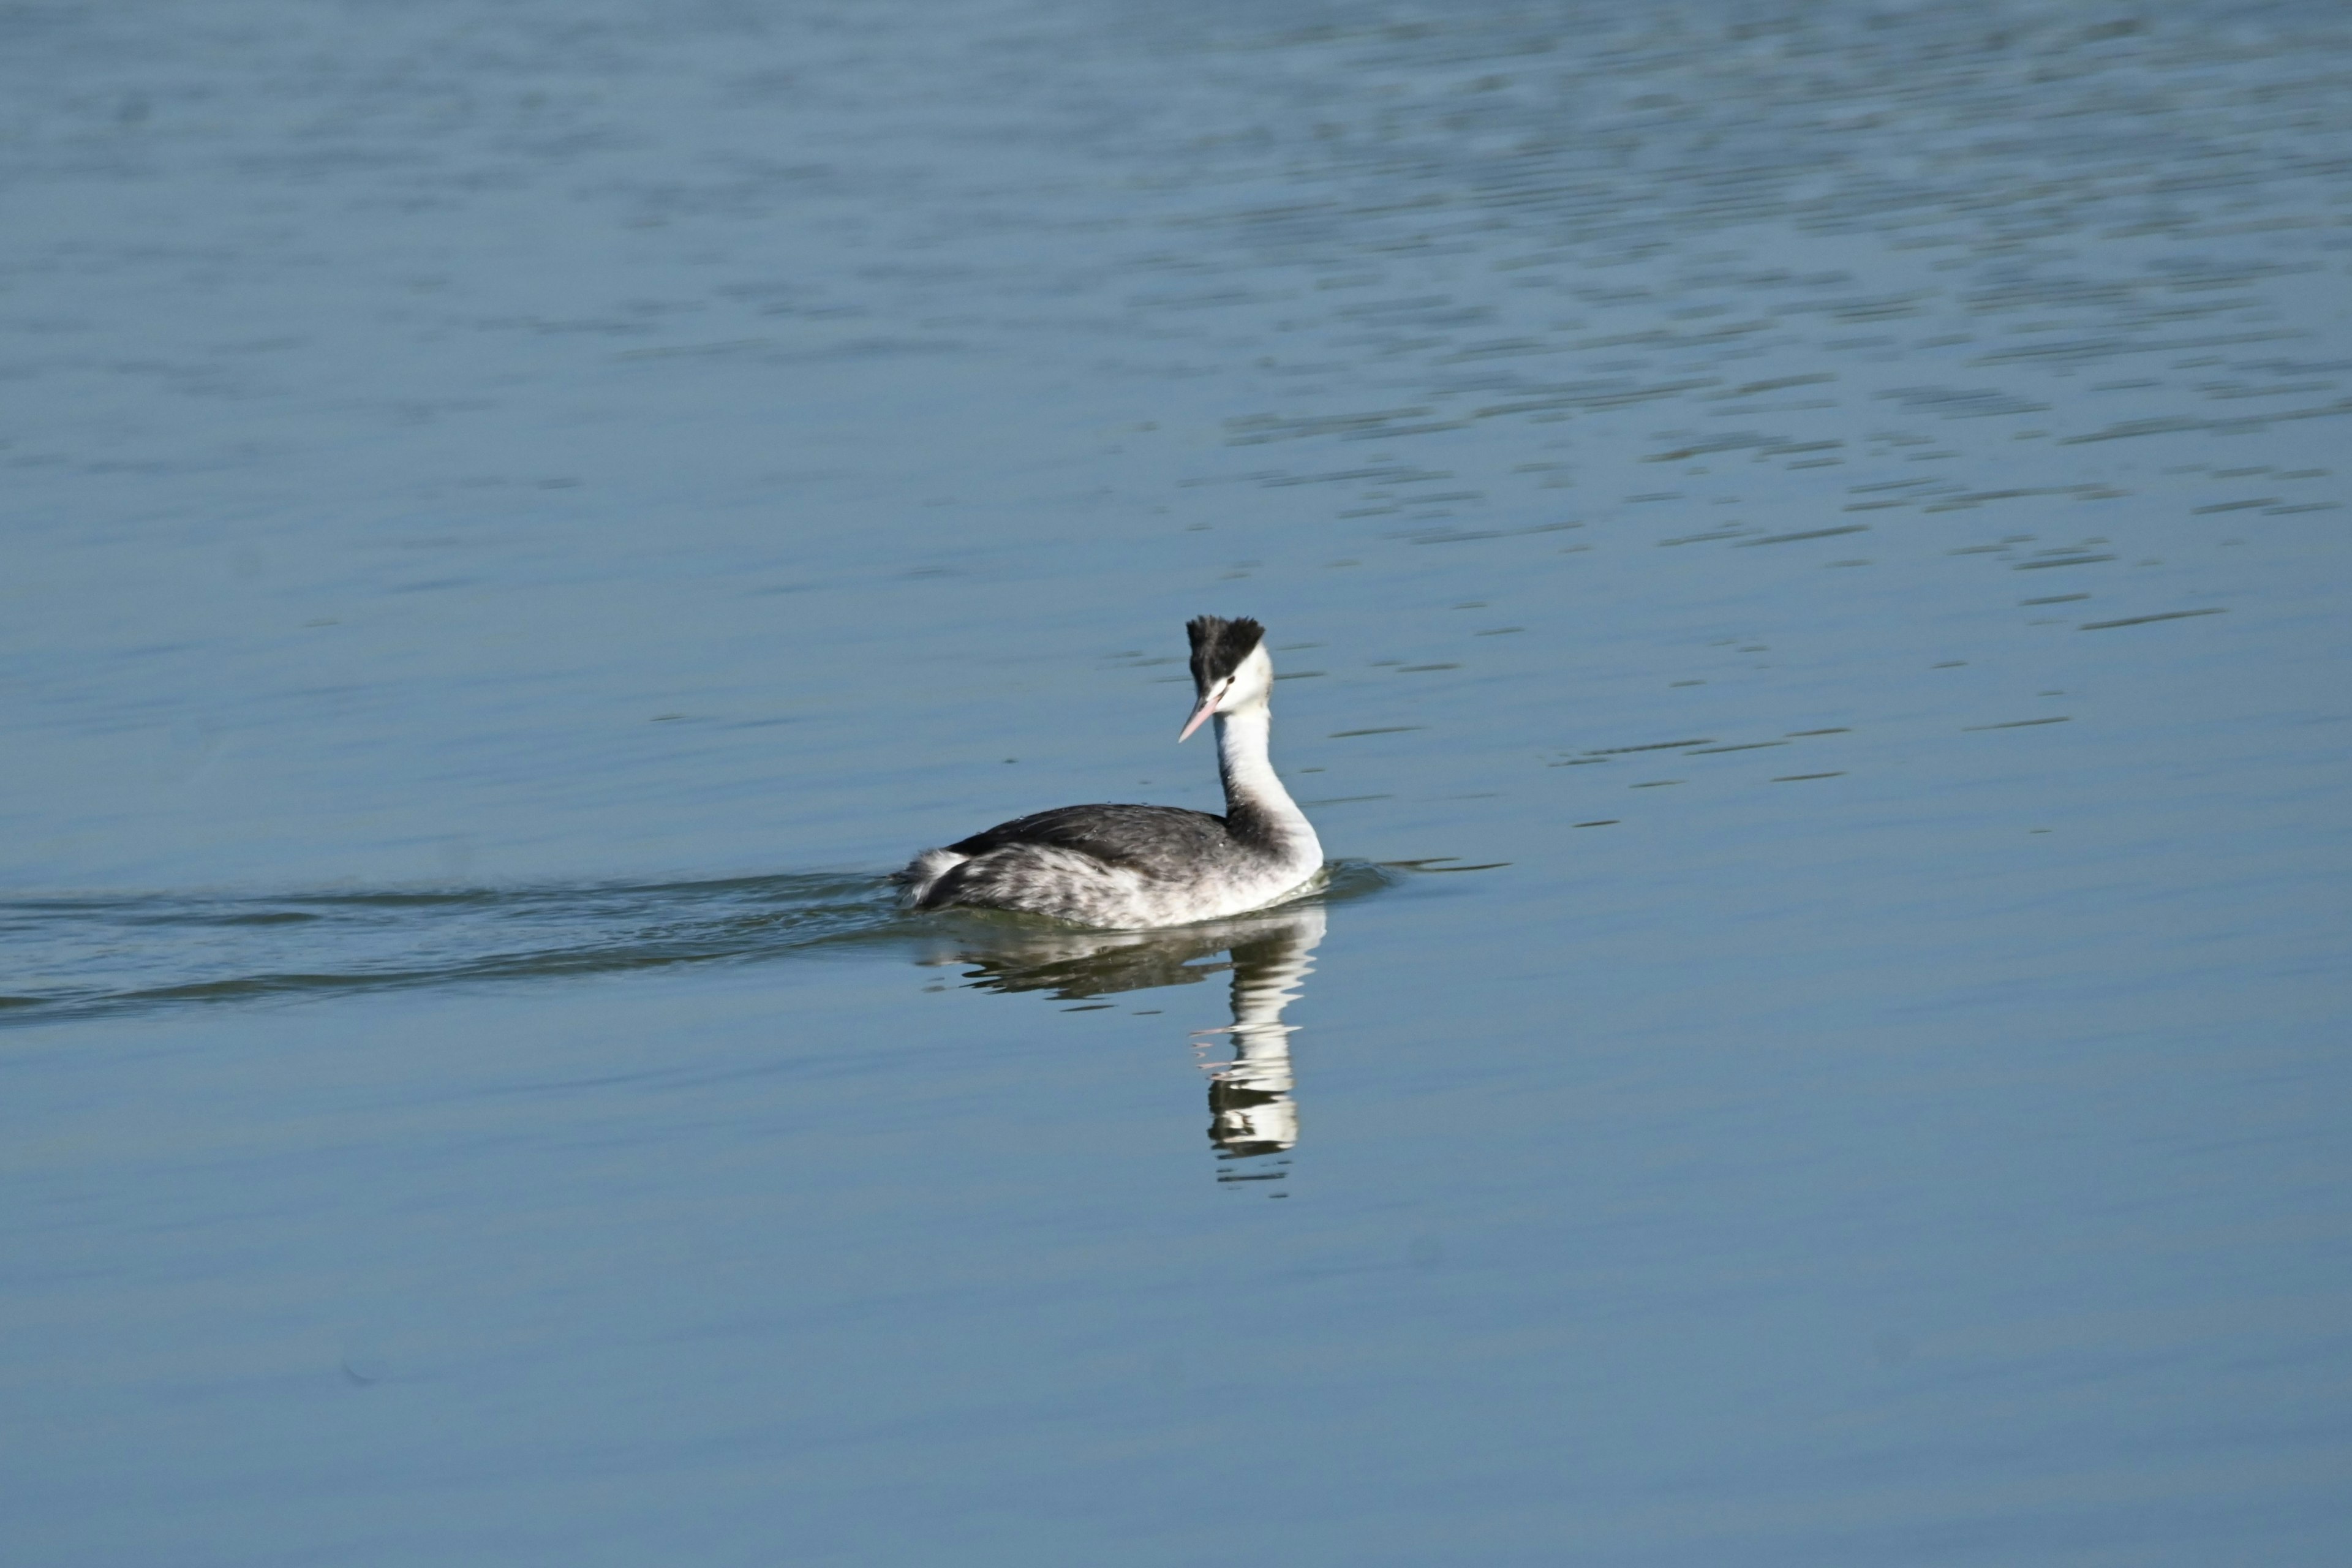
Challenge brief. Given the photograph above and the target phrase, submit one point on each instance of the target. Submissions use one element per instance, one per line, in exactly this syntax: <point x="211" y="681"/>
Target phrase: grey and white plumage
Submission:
<point x="1133" y="867"/>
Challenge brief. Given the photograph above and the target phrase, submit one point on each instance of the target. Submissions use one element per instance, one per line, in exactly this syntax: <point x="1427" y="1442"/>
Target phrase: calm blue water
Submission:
<point x="1807" y="553"/>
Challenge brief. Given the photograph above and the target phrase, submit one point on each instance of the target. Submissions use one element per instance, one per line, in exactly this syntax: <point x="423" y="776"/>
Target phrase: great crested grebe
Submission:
<point x="1125" y="868"/>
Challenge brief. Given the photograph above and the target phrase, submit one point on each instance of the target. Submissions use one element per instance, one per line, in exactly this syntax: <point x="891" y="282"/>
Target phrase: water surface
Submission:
<point x="1806" y="553"/>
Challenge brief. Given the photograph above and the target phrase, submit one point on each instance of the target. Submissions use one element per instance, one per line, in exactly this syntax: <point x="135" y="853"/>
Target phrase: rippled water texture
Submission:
<point x="1806" y="552"/>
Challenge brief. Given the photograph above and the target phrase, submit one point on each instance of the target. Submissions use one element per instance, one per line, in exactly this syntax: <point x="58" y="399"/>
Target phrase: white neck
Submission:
<point x="1250" y="781"/>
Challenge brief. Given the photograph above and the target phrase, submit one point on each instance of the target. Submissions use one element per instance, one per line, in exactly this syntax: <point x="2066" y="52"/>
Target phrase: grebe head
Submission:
<point x="1231" y="671"/>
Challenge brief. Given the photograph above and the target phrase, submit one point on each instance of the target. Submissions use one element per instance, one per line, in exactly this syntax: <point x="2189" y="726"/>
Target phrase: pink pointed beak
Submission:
<point x="1201" y="714"/>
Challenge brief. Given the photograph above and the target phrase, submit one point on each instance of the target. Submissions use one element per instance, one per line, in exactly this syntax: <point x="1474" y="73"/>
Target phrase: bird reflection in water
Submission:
<point x="1253" y="1118"/>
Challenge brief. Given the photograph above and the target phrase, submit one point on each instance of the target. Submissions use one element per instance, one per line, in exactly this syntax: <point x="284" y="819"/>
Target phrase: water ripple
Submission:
<point x="79" y="957"/>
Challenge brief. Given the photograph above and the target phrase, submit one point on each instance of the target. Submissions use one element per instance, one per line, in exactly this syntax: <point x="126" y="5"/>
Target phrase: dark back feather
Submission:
<point x="1219" y="645"/>
<point x="1115" y="835"/>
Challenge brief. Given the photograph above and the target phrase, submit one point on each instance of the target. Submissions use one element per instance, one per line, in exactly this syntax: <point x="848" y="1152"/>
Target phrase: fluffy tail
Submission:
<point x="922" y="873"/>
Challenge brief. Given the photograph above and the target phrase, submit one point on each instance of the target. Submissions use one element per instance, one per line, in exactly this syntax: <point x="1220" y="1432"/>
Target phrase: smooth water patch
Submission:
<point x="831" y="1249"/>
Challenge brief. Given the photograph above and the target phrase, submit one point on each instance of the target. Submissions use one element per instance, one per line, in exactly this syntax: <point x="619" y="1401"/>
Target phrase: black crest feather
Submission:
<point x="1219" y="645"/>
